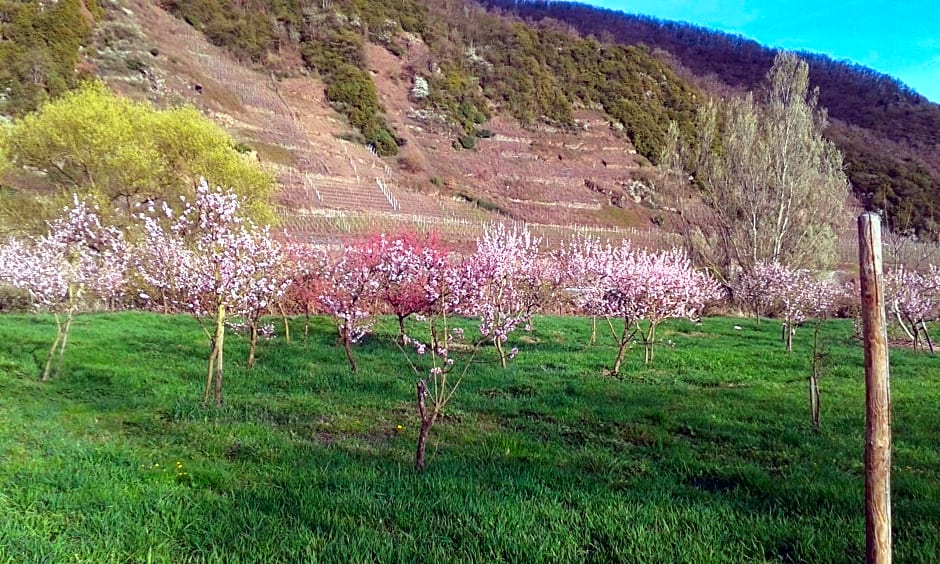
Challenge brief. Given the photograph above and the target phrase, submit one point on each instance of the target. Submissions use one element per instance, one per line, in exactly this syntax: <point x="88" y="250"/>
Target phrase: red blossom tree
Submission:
<point x="409" y="264"/>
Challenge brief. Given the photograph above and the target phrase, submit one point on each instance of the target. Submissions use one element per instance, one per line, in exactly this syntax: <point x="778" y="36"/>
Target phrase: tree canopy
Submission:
<point x="123" y="153"/>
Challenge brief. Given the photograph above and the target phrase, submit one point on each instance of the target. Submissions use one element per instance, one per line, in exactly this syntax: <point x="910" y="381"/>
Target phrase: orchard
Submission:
<point x="214" y="263"/>
<point x="588" y="362"/>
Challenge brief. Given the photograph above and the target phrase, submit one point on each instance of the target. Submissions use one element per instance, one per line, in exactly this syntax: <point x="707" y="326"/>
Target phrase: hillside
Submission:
<point x="474" y="105"/>
<point x="516" y="122"/>
<point x="385" y="114"/>
<point x="889" y="134"/>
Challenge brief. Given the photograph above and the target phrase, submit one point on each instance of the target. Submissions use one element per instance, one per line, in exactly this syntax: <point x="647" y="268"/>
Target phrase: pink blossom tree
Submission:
<point x="600" y="277"/>
<point x="785" y="289"/>
<point x="79" y="261"/>
<point x="504" y="283"/>
<point x="641" y="288"/>
<point x="755" y="292"/>
<point x="212" y="262"/>
<point x="666" y="286"/>
<point x="350" y="283"/>
<point x="584" y="264"/>
<point x="914" y="298"/>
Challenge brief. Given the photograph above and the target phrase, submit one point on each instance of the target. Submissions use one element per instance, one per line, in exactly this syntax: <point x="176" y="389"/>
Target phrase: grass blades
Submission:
<point x="706" y="455"/>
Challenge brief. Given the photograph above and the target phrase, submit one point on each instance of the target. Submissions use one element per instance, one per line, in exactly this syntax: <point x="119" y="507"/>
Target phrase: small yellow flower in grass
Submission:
<point x="399" y="427"/>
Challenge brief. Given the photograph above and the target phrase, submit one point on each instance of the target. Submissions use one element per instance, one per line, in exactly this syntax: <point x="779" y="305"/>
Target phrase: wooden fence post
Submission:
<point x="877" y="394"/>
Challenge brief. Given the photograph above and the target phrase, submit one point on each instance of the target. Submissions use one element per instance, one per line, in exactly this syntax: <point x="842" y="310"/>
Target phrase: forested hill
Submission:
<point x="889" y="133"/>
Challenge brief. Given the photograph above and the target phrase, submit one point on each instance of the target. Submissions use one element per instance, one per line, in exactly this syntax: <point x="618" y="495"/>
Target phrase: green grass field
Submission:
<point x="706" y="456"/>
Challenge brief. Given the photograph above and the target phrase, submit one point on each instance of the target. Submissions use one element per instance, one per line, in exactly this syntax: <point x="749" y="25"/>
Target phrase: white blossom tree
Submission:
<point x="77" y="263"/>
<point x="212" y="262"/>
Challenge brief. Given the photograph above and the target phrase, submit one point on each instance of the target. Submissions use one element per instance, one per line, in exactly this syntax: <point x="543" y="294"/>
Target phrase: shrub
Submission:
<point x="92" y="141"/>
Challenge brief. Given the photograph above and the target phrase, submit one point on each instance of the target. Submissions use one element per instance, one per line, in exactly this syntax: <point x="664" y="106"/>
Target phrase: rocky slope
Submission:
<point x="586" y="176"/>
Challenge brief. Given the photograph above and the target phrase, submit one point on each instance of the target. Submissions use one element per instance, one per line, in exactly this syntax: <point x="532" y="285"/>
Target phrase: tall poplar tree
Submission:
<point x="772" y="187"/>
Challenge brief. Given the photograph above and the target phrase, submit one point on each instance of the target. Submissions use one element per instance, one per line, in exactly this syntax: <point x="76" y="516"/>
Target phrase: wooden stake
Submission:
<point x="877" y="394"/>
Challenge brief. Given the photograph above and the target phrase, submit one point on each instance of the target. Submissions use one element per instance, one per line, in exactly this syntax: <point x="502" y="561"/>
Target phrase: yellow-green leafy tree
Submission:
<point x="124" y="153"/>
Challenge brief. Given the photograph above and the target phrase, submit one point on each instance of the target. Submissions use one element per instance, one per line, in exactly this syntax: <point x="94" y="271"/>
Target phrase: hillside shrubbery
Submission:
<point x="537" y="74"/>
<point x="39" y="50"/>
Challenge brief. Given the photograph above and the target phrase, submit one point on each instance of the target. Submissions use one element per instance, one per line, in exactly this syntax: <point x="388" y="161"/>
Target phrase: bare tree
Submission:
<point x="771" y="186"/>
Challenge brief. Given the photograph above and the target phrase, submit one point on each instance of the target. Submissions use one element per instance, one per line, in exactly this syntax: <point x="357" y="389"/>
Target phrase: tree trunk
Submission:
<point x="401" y="329"/>
<point x="210" y="372"/>
<point x="427" y="420"/>
<point x="422" y="444"/>
<point x="47" y="370"/>
<point x="64" y="341"/>
<point x="923" y="326"/>
<point x="499" y="350"/>
<point x="280" y="308"/>
<point x="306" y="326"/>
<point x="252" y="342"/>
<point x="620" y="353"/>
<point x="593" y="329"/>
<point x="648" y="343"/>
<point x="433" y="329"/>
<point x="220" y="348"/>
<point x="814" y="398"/>
<point x="814" y="381"/>
<point x="347" y="348"/>
<point x="622" y="341"/>
<point x="908" y="332"/>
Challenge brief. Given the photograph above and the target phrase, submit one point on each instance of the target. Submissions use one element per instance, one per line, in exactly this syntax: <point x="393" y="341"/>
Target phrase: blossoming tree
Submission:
<point x="914" y="298"/>
<point x="77" y="262"/>
<point x="498" y="286"/>
<point x="212" y="262"/>
<point x="407" y="267"/>
<point x="503" y="283"/>
<point x="785" y="289"/>
<point x="303" y="292"/>
<point x="636" y="286"/>
<point x="349" y="284"/>
<point x="442" y="361"/>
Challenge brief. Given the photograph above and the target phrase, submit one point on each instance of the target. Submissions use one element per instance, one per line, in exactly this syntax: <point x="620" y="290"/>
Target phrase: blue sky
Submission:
<point x="899" y="38"/>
